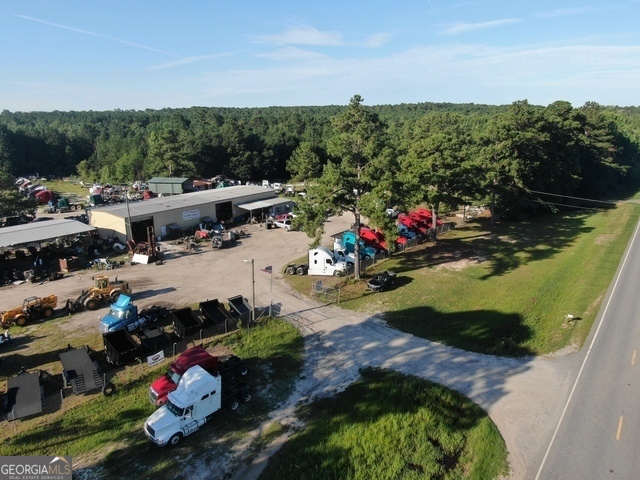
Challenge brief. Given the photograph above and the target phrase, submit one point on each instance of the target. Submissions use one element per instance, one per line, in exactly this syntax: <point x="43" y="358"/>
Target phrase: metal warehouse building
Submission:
<point x="231" y="203"/>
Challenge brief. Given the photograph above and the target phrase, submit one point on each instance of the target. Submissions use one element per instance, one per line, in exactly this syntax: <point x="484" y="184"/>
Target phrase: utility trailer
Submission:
<point x="83" y="374"/>
<point x="120" y="347"/>
<point x="153" y="340"/>
<point x="24" y="396"/>
<point x="185" y="322"/>
<point x="240" y="308"/>
<point x="214" y="313"/>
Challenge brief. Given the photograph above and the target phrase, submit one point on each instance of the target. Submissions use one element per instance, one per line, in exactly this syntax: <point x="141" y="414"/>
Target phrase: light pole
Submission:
<point x="253" y="291"/>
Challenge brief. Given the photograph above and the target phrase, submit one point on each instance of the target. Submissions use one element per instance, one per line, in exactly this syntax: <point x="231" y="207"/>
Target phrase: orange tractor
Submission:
<point x="32" y="308"/>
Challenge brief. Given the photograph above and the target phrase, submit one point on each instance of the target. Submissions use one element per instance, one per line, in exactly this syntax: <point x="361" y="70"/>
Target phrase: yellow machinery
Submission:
<point x="103" y="291"/>
<point x="32" y="308"/>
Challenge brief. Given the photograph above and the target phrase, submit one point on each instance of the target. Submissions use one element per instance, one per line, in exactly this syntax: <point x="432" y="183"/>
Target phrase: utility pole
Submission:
<point x="253" y="291"/>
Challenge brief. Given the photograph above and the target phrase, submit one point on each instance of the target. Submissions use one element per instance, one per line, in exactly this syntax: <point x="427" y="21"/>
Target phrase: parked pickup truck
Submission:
<point x="229" y="368"/>
<point x="123" y="315"/>
<point x="198" y="396"/>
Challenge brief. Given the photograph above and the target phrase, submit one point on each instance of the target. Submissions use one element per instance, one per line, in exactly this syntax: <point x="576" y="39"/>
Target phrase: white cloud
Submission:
<point x="461" y="27"/>
<point x="188" y="60"/>
<point x="289" y="54"/>
<point x="307" y="35"/>
<point x="565" y="12"/>
<point x="304" y="36"/>
<point x="94" y="34"/>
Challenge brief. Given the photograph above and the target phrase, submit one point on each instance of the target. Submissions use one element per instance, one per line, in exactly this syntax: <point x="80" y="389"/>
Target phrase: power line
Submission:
<point x="572" y="206"/>
<point x="576" y="198"/>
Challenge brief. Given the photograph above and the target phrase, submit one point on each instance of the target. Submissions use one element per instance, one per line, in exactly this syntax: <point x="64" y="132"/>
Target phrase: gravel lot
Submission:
<point x="523" y="397"/>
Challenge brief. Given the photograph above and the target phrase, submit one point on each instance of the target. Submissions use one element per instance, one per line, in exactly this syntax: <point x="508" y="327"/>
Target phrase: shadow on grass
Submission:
<point x="505" y="247"/>
<point x="483" y="331"/>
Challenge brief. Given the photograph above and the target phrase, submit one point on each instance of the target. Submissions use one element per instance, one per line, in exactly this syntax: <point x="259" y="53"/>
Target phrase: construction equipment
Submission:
<point x="32" y="308"/>
<point x="148" y="248"/>
<point x="103" y="291"/>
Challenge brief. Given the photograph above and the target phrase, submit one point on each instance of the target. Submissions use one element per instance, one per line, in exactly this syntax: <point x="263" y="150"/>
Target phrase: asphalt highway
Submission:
<point x="598" y="434"/>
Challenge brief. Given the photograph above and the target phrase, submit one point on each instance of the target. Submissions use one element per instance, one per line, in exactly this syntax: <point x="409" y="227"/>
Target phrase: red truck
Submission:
<point x="228" y="368"/>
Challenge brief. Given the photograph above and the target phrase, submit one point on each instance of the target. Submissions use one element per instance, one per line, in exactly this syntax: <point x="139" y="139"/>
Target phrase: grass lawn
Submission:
<point x="104" y="434"/>
<point x="392" y="426"/>
<point x="505" y="290"/>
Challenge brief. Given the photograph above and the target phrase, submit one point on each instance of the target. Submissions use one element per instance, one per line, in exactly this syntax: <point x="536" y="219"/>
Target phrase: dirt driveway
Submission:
<point x="523" y="397"/>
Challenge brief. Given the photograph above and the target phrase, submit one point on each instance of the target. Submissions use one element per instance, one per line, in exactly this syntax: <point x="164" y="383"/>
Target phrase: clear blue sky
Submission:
<point x="137" y="54"/>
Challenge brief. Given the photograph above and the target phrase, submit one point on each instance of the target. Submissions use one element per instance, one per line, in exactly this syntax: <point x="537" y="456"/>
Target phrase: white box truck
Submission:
<point x="199" y="395"/>
<point x="322" y="261"/>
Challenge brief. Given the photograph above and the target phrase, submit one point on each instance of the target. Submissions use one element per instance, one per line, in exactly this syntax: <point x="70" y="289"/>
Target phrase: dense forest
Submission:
<point x="471" y="151"/>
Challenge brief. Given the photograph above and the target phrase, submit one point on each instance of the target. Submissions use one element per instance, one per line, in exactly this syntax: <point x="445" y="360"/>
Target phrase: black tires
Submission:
<point x="246" y="397"/>
<point x="91" y="304"/>
<point x="47" y="312"/>
<point x="300" y="271"/>
<point x="175" y="439"/>
<point x="108" y="389"/>
<point x="242" y="370"/>
<point x="234" y="404"/>
<point x="291" y="270"/>
<point x="21" y="320"/>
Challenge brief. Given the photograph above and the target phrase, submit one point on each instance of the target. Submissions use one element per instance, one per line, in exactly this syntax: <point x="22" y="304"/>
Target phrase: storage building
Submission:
<point x="166" y="214"/>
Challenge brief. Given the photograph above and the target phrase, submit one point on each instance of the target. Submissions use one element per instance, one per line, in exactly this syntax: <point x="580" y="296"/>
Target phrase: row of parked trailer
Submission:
<point x="128" y="336"/>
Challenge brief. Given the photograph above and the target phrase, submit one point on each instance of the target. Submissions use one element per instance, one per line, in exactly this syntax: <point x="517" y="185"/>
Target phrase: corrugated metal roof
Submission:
<point x="270" y="202"/>
<point x="40" y="231"/>
<point x="168" y="180"/>
<point x="149" y="207"/>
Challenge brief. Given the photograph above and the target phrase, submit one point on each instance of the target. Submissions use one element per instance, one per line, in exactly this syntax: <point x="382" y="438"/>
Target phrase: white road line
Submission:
<point x="586" y="357"/>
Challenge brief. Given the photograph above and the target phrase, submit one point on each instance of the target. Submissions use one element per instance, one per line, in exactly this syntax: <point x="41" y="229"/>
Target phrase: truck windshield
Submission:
<point x="173" y="376"/>
<point x="119" y="314"/>
<point x="173" y="408"/>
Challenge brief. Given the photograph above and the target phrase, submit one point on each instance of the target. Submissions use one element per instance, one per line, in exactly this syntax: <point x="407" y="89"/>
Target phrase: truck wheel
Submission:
<point x="246" y="398"/>
<point x="175" y="439"/>
<point x="47" y="312"/>
<point x="114" y="296"/>
<point x="291" y="271"/>
<point x="108" y="389"/>
<point x="300" y="271"/>
<point x="234" y="404"/>
<point x="21" y="320"/>
<point x="243" y="370"/>
<point x="91" y="304"/>
<point x="164" y="313"/>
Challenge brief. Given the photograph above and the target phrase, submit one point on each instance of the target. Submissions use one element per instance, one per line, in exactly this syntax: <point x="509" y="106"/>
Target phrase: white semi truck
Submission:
<point x="322" y="261"/>
<point x="199" y="395"/>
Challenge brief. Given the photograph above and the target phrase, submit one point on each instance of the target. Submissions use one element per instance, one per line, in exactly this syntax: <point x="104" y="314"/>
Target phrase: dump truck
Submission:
<point x="32" y="308"/>
<point x="103" y="291"/>
<point x="198" y="397"/>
